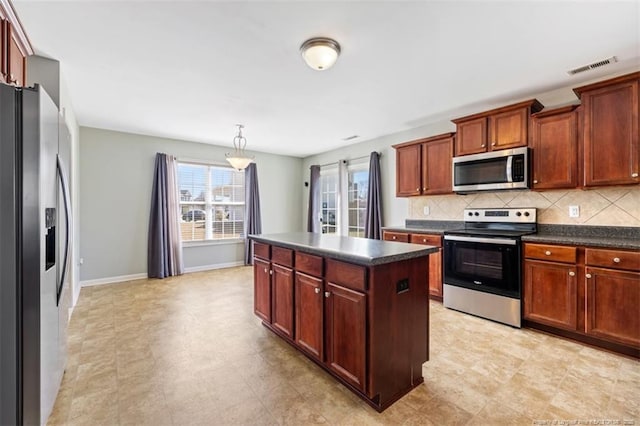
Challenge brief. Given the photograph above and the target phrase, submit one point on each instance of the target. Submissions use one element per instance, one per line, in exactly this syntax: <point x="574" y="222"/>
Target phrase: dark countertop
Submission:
<point x="362" y="251"/>
<point x="436" y="227"/>
<point x="621" y="237"/>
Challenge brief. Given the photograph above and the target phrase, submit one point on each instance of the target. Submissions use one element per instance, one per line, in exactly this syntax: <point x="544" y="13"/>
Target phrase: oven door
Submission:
<point x="489" y="265"/>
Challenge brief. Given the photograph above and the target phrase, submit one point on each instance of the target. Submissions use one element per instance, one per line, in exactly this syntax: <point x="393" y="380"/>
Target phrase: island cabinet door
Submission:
<point x="282" y="298"/>
<point x="309" y="316"/>
<point x="262" y="289"/>
<point x="346" y="322"/>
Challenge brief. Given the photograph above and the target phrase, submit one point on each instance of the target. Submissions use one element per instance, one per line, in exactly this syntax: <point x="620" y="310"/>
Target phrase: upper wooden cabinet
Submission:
<point x="500" y="128"/>
<point x="610" y="126"/>
<point x="423" y="167"/>
<point x="554" y="139"/>
<point x="14" y="47"/>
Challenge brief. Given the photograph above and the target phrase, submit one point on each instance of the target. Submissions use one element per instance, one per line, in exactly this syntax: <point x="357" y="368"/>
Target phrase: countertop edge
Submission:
<point x="360" y="260"/>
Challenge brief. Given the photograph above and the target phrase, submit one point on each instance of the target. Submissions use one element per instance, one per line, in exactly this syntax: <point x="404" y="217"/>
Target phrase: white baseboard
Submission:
<point x="123" y="278"/>
<point x="111" y="280"/>
<point x="211" y="267"/>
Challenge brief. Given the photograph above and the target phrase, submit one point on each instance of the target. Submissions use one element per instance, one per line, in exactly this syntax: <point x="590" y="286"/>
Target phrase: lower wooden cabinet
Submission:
<point x="435" y="259"/>
<point x="613" y="305"/>
<point x="262" y="289"/>
<point x="282" y="299"/>
<point x="367" y="325"/>
<point x="550" y="294"/>
<point x="592" y="293"/>
<point x="309" y="315"/>
<point x="345" y="317"/>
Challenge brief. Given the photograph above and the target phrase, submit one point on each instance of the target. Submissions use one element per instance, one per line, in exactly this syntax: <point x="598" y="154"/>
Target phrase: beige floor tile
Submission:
<point x="188" y="350"/>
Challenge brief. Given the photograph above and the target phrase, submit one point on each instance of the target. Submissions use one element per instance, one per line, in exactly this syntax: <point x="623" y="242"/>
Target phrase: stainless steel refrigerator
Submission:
<point x="35" y="240"/>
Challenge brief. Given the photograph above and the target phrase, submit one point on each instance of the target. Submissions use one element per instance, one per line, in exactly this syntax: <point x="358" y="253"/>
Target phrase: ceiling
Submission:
<point x="191" y="70"/>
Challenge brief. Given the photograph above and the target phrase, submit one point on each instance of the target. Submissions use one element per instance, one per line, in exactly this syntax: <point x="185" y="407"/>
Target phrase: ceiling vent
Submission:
<point x="350" y="138"/>
<point x="593" y="66"/>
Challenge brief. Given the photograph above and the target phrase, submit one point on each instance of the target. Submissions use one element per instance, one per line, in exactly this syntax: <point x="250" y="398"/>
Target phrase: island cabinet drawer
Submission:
<point x="395" y="236"/>
<point x="346" y="274"/>
<point x="552" y="253"/>
<point x="615" y="259"/>
<point x="282" y="256"/>
<point x="309" y="264"/>
<point x="262" y="250"/>
<point x="430" y="240"/>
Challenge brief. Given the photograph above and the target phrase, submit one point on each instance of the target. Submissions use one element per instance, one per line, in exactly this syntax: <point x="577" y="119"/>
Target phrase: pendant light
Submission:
<point x="238" y="159"/>
<point x="320" y="53"/>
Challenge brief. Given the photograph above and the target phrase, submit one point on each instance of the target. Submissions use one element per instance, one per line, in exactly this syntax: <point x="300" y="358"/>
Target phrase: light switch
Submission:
<point x="425" y="210"/>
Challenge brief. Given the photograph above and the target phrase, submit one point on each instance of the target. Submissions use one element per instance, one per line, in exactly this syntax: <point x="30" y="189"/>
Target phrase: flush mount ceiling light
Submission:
<point x="238" y="159"/>
<point x="320" y="53"/>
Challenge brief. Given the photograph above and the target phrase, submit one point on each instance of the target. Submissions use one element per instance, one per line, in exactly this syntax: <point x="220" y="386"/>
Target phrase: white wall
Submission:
<point x="396" y="210"/>
<point x="117" y="173"/>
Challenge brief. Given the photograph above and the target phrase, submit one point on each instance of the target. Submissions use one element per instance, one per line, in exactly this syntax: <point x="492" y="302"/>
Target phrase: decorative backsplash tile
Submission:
<point x="616" y="206"/>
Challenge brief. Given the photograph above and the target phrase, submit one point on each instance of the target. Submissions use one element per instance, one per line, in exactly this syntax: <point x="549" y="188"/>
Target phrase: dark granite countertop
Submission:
<point x="362" y="251"/>
<point x="426" y="226"/>
<point x="622" y="237"/>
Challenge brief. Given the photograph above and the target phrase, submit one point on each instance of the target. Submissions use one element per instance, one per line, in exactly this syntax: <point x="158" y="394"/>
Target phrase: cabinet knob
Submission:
<point x="616" y="259"/>
<point x="424" y="189"/>
<point x="317" y="290"/>
<point x="548" y="253"/>
<point x="265" y="270"/>
<point x="634" y="175"/>
<point x="417" y="189"/>
<point x="493" y="144"/>
<point x="572" y="274"/>
<point x="395" y="238"/>
<point x="482" y="146"/>
<point x="588" y="275"/>
<point x="326" y="294"/>
<point x="271" y="272"/>
<point x="535" y="181"/>
<point x="424" y="240"/>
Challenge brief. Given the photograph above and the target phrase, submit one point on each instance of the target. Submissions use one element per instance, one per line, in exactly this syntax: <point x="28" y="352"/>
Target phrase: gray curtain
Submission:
<point x="252" y="217"/>
<point x="373" y="221"/>
<point x="313" y="224"/>
<point x="164" y="248"/>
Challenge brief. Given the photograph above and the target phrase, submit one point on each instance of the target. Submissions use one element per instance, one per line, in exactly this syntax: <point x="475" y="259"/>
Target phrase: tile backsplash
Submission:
<point x="614" y="206"/>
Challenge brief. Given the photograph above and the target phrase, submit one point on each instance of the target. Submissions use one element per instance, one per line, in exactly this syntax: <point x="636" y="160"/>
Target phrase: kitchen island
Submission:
<point x="358" y="308"/>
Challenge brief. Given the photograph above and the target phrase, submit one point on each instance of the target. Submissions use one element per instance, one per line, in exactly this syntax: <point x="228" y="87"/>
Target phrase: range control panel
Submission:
<point x="513" y="215"/>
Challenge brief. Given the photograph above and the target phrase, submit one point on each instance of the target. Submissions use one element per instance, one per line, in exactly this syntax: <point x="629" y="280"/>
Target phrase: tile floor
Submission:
<point x="188" y="350"/>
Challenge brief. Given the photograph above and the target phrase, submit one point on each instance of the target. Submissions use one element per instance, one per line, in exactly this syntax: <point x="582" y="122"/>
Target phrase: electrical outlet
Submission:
<point x="574" y="211"/>
<point x="426" y="210"/>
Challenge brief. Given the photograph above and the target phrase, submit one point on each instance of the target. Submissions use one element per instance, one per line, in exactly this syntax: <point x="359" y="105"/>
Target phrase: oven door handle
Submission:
<point x="504" y="241"/>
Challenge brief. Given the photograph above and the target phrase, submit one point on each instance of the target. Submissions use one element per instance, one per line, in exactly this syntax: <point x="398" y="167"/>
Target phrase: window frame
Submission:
<point x="210" y="204"/>
<point x="341" y="170"/>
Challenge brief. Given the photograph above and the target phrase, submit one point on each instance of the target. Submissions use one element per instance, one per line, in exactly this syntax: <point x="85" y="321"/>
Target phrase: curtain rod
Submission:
<point x="350" y="159"/>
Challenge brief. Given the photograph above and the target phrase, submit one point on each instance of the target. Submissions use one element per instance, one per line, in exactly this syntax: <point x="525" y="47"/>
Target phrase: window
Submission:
<point x="211" y="202"/>
<point x="343" y="192"/>
<point x="358" y="190"/>
<point x="329" y="199"/>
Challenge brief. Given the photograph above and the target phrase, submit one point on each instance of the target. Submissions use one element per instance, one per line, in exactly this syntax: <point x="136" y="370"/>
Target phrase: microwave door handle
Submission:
<point x="509" y="168"/>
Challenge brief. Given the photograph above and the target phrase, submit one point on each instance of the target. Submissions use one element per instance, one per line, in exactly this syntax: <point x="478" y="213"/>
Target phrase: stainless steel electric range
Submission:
<point x="483" y="263"/>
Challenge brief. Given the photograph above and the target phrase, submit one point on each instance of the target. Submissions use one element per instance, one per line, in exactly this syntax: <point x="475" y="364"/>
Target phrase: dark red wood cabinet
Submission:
<point x="585" y="293"/>
<point x="610" y="125"/>
<point x="14" y="47"/>
<point x="309" y="315"/>
<point x="365" y="325"/>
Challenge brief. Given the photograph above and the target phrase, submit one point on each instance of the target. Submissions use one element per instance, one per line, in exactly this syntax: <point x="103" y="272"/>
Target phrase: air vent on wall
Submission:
<point x="592" y="66"/>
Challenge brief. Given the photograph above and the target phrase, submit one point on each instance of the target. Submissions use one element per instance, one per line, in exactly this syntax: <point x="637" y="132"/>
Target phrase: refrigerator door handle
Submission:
<point x="67" y="209"/>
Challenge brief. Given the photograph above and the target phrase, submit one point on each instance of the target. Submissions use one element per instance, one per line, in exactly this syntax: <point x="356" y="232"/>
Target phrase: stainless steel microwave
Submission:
<point x="505" y="169"/>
